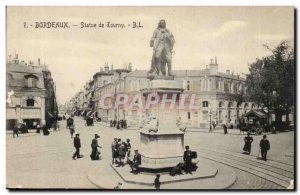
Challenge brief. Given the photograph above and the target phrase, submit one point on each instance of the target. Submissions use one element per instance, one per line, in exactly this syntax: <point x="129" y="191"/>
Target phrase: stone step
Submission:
<point x="221" y="179"/>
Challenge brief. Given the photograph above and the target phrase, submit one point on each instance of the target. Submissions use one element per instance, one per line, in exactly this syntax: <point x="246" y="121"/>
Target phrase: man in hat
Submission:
<point x="95" y="153"/>
<point x="264" y="147"/>
<point x="77" y="145"/>
<point x="157" y="182"/>
<point x="187" y="159"/>
<point x="137" y="161"/>
<point x="114" y="150"/>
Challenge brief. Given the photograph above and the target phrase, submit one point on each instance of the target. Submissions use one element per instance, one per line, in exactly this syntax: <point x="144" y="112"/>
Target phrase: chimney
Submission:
<point x="39" y="61"/>
<point x="106" y="68"/>
<point x="227" y="71"/>
<point x="213" y="67"/>
<point x="112" y="67"/>
<point x="130" y="66"/>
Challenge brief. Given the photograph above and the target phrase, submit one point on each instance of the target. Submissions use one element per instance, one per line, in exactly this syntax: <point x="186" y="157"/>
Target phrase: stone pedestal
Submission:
<point x="163" y="149"/>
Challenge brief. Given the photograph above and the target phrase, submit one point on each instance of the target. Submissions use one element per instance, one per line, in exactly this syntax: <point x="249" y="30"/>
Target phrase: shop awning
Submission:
<point x="11" y="113"/>
<point x="258" y="114"/>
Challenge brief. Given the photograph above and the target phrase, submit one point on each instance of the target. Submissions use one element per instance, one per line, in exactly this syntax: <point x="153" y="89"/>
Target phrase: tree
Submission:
<point x="271" y="81"/>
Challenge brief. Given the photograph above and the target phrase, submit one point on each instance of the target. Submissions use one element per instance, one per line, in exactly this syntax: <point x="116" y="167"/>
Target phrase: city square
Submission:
<point x="38" y="161"/>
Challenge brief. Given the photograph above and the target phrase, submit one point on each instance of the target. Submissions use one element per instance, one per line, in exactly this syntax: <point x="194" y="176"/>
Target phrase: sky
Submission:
<point x="235" y="35"/>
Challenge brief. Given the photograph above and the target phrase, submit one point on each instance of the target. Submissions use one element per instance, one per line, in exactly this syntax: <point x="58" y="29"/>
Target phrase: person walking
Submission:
<point x="77" y="146"/>
<point x="187" y="159"/>
<point x="225" y="129"/>
<point x="157" y="182"/>
<point x="248" y="141"/>
<point x="15" y="131"/>
<point x="264" y="147"/>
<point x="72" y="130"/>
<point x="95" y="153"/>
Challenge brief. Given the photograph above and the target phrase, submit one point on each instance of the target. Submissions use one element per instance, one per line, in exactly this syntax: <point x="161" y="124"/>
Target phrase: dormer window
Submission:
<point x="31" y="80"/>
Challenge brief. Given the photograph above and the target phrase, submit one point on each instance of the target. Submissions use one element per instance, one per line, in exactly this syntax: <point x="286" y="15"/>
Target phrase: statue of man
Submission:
<point x="162" y="49"/>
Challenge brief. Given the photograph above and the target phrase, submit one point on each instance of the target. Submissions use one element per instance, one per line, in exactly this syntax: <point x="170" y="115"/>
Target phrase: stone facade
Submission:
<point x="30" y="93"/>
<point x="218" y="94"/>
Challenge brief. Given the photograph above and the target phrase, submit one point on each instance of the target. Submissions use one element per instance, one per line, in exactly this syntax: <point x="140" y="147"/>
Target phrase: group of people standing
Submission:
<point x="264" y="146"/>
<point x="120" y="150"/>
<point x="121" y="124"/>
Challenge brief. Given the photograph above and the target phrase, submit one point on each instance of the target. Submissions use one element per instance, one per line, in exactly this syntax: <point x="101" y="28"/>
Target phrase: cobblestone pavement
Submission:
<point x="38" y="161"/>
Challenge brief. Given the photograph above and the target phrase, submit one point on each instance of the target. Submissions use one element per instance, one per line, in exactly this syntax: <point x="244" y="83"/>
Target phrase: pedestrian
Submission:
<point x="136" y="162"/>
<point x="122" y="153"/>
<point x="38" y="128"/>
<point x="70" y="121"/>
<point x="77" y="146"/>
<point x="95" y="153"/>
<point x="214" y="125"/>
<point x="15" y="131"/>
<point x="225" y="129"/>
<point x="72" y="130"/>
<point x="45" y="130"/>
<point x="157" y="182"/>
<point x="114" y="150"/>
<point x="128" y="147"/>
<point x="264" y="147"/>
<point x="248" y="141"/>
<point x="187" y="159"/>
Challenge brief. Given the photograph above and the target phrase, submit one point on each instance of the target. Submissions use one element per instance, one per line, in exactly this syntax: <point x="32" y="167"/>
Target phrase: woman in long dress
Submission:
<point x="248" y="141"/>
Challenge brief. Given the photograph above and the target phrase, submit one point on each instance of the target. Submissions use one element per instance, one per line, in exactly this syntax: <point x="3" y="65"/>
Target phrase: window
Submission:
<point x="205" y="85"/>
<point x="205" y="104"/>
<point x="188" y="85"/>
<point x="31" y="81"/>
<point x="30" y="102"/>
<point x="189" y="115"/>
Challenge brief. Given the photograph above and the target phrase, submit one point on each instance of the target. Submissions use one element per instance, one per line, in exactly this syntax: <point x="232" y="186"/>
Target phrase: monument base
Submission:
<point x="162" y="150"/>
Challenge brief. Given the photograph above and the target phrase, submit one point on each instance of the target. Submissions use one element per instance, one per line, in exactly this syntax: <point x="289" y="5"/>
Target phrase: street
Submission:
<point x="37" y="161"/>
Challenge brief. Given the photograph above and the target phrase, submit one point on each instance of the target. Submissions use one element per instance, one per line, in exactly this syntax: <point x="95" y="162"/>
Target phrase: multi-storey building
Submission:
<point x="31" y="93"/>
<point x="219" y="95"/>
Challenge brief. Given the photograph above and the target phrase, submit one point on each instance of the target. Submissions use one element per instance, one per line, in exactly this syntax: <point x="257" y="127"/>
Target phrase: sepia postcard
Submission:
<point x="150" y="98"/>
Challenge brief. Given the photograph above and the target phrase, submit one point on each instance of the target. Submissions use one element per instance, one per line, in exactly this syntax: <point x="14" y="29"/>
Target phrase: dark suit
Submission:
<point x="137" y="160"/>
<point x="187" y="158"/>
<point x="77" y="145"/>
<point x="157" y="183"/>
<point x="264" y="146"/>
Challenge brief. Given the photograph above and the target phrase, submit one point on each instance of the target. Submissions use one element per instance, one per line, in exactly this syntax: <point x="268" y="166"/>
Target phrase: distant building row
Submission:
<point x="220" y="95"/>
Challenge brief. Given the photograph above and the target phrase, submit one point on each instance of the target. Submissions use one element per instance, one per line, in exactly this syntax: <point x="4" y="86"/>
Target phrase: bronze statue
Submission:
<point x="162" y="50"/>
